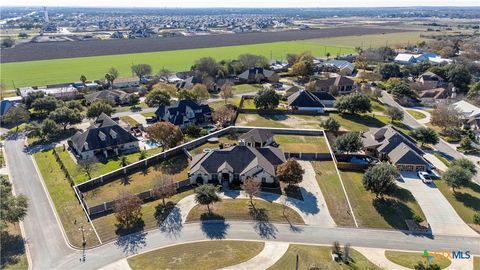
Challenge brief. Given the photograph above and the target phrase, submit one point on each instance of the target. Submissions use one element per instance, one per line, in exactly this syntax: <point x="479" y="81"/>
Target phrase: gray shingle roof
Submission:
<point x="104" y="127"/>
<point x="403" y="154"/>
<point x="256" y="135"/>
<point x="304" y="99"/>
<point x="238" y="160"/>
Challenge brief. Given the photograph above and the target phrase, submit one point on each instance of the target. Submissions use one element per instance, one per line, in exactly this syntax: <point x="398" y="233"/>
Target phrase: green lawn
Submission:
<point x="246" y="88"/>
<point x="100" y="168"/>
<point x="13" y="249"/>
<point x="476" y="263"/>
<point x="220" y="103"/>
<point x="68" y="208"/>
<point x="177" y="167"/>
<point x="410" y="259"/>
<point x="363" y="122"/>
<point x="69" y="69"/>
<point x="129" y="120"/>
<point x="331" y="187"/>
<point x="465" y="200"/>
<point x="302" y="144"/>
<point x="416" y="114"/>
<point x="200" y="255"/>
<point x="249" y="104"/>
<point x="280" y="121"/>
<point x="377" y="106"/>
<point x="310" y="256"/>
<point x="240" y="209"/>
<point x="442" y="158"/>
<point x="372" y="213"/>
<point x="127" y="108"/>
<point x="148" y="114"/>
<point x="151" y="216"/>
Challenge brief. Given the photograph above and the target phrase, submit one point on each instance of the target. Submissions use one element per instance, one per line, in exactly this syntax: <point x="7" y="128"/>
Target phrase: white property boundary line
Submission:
<point x="20" y="223"/>
<point x="64" y="234"/>
<point x="340" y="177"/>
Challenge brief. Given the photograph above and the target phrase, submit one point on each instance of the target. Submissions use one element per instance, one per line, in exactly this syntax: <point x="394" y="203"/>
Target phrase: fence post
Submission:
<point x="104" y="206"/>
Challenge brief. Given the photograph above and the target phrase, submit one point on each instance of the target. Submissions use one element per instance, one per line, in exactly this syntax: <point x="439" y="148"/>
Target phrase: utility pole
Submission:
<point x="84" y="242"/>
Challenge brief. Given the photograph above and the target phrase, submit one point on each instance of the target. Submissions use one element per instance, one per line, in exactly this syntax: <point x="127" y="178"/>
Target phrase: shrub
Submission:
<point x="476" y="218"/>
<point x="417" y="218"/>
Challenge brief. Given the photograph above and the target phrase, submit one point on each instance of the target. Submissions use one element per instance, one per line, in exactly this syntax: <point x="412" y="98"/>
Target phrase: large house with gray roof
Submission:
<point x="185" y="112"/>
<point x="104" y="138"/>
<point x="388" y="143"/>
<point x="235" y="164"/>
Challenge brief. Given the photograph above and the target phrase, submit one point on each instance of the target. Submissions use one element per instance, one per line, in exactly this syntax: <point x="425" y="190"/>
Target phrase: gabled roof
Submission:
<point x="238" y="160"/>
<point x="178" y="110"/>
<point x="436" y="93"/>
<point x="109" y="95"/>
<point x="403" y="154"/>
<point x="467" y="109"/>
<point x="304" y="99"/>
<point x="337" y="81"/>
<point x="252" y="73"/>
<point x="256" y="135"/>
<point x="103" y="133"/>
<point x="387" y="138"/>
<point x="340" y="64"/>
<point x="430" y="76"/>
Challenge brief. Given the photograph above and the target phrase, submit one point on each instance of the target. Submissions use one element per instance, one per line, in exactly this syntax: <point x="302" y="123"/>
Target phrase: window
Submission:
<point x="264" y="179"/>
<point x="236" y="177"/>
<point x="214" y="177"/>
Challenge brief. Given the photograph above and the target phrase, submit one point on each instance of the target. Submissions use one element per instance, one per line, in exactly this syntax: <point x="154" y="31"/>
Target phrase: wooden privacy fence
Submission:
<point x="142" y="164"/>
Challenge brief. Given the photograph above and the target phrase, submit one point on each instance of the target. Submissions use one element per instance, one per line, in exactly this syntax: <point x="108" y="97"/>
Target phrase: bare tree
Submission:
<point x="252" y="188"/>
<point x="223" y="115"/>
<point x="164" y="187"/>
<point x="226" y="92"/>
<point x="127" y="208"/>
<point x="87" y="166"/>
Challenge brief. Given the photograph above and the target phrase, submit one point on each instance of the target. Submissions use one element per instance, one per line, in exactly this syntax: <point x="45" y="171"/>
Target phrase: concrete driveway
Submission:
<point x="439" y="213"/>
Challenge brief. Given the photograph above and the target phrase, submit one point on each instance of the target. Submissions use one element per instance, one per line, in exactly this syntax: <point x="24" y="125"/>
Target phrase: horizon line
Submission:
<point x="240" y="7"/>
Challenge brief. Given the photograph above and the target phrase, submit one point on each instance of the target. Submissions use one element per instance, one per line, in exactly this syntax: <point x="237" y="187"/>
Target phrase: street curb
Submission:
<point x="20" y="223"/>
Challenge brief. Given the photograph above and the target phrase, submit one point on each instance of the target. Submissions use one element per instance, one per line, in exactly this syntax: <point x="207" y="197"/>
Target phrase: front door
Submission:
<point x="225" y="176"/>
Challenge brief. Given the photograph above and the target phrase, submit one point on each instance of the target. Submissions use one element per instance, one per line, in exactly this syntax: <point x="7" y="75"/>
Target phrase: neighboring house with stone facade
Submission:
<point x="235" y="164"/>
<point x="104" y="138"/>
<point x="388" y="143"/>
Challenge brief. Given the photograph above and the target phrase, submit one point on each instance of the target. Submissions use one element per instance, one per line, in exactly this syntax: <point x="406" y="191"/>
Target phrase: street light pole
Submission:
<point x="84" y="242"/>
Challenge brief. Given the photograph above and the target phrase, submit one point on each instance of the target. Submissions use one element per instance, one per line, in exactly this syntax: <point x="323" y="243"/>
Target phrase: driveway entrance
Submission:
<point x="439" y="213"/>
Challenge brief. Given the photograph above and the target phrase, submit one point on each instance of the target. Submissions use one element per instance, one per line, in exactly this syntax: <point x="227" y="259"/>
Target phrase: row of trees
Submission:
<point x="127" y="206"/>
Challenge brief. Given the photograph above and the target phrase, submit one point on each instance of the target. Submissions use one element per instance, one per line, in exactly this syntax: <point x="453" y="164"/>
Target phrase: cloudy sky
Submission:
<point x="242" y="3"/>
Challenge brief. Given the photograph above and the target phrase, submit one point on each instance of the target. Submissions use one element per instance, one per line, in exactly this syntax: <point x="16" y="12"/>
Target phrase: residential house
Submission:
<point x="185" y="112"/>
<point x="257" y="138"/>
<point x="344" y="67"/>
<point x="305" y="101"/>
<point x="434" y="96"/>
<point x="291" y="90"/>
<point x="64" y="92"/>
<point x="466" y="109"/>
<point x="235" y="164"/>
<point x="104" y="138"/>
<point x="188" y="83"/>
<point x="5" y="105"/>
<point x="114" y="96"/>
<point x="474" y="124"/>
<point x="389" y="143"/>
<point x="258" y="75"/>
<point x="430" y="80"/>
<point x="126" y="83"/>
<point x="278" y="66"/>
<point x="409" y="59"/>
<point x="342" y="84"/>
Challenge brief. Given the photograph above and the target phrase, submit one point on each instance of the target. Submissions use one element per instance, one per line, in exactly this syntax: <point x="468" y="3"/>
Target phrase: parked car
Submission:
<point x="425" y="177"/>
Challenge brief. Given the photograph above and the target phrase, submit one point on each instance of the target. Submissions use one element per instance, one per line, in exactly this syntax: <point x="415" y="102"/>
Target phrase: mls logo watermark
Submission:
<point x="453" y="255"/>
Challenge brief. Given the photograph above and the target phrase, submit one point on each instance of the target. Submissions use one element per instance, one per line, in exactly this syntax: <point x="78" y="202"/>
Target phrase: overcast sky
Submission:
<point x="242" y="3"/>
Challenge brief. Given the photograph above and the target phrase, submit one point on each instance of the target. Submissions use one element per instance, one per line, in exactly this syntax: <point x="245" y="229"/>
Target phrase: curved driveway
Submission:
<point x="49" y="250"/>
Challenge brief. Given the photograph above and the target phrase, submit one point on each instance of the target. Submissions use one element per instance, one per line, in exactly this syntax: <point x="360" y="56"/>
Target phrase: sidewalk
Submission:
<point x="271" y="253"/>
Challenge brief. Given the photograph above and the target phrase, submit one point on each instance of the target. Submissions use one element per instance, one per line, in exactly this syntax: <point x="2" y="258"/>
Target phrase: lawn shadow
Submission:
<point x="394" y="212"/>
<point x="173" y="165"/>
<point x="123" y="231"/>
<point x="126" y="179"/>
<point x="309" y="203"/>
<point x="131" y="243"/>
<point x="169" y="218"/>
<point x="468" y="200"/>
<point x="263" y="226"/>
<point x="214" y="225"/>
<point x="366" y="120"/>
<point x="402" y="194"/>
<point x="275" y="117"/>
<point x="13" y="246"/>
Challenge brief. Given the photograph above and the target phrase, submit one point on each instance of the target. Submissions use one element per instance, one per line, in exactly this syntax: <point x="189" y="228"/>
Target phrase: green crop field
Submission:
<point x="44" y="72"/>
